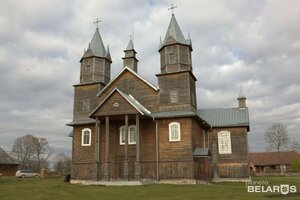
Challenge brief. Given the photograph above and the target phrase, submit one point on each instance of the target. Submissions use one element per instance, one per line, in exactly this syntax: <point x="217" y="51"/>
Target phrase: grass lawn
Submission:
<point x="56" y="189"/>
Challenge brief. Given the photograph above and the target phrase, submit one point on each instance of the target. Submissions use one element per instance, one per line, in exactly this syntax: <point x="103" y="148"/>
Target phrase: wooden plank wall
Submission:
<point x="233" y="170"/>
<point x="236" y="164"/>
<point x="85" y="93"/>
<point x="130" y="84"/>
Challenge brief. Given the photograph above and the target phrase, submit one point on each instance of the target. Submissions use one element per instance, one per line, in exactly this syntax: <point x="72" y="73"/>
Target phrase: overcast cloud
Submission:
<point x="254" y="44"/>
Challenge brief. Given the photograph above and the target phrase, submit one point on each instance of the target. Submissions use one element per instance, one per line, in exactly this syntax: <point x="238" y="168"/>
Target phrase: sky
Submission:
<point x="251" y="43"/>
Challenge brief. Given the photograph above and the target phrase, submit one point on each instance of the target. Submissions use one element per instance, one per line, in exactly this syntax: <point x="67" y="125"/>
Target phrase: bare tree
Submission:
<point x="62" y="163"/>
<point x="277" y="137"/>
<point x="23" y="149"/>
<point x="294" y="146"/>
<point x="33" y="152"/>
<point x="42" y="147"/>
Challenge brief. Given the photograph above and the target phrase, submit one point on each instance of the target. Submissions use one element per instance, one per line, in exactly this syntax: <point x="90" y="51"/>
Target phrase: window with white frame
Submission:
<point x="131" y="134"/>
<point x="224" y="142"/>
<point x="174" y="132"/>
<point x="86" y="135"/>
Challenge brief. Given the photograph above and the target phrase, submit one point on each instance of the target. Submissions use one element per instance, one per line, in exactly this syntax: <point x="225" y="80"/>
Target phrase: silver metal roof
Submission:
<point x="96" y="46"/>
<point x="201" y="152"/>
<point x="175" y="32"/>
<point x="81" y="122"/>
<point x="173" y="114"/>
<point x="130" y="45"/>
<point x="225" y="117"/>
<point x="136" y="104"/>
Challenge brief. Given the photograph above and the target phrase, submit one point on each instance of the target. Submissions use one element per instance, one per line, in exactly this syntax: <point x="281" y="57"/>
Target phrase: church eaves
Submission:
<point x="175" y="32"/>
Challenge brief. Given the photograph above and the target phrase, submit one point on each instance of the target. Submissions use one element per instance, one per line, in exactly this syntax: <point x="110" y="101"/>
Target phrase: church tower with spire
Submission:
<point x="94" y="75"/>
<point x="95" y="62"/>
<point x="176" y="80"/>
<point x="130" y="59"/>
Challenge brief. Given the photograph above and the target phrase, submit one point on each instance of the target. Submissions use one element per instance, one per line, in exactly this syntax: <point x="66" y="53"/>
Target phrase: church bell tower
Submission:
<point x="176" y="80"/>
<point x="94" y="76"/>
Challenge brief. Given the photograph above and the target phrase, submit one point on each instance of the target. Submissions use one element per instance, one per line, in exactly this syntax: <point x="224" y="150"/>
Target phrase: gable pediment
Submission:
<point x="125" y="79"/>
<point x="131" y="84"/>
<point x="118" y="103"/>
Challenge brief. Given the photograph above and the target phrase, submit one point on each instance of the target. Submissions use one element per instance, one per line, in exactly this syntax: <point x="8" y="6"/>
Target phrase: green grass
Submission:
<point x="56" y="189"/>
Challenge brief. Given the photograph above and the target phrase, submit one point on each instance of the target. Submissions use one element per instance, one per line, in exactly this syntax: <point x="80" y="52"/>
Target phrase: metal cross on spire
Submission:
<point x="172" y="8"/>
<point x="97" y="22"/>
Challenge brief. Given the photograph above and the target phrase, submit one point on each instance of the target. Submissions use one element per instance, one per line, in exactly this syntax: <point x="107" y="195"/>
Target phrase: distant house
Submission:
<point x="271" y="161"/>
<point x="8" y="166"/>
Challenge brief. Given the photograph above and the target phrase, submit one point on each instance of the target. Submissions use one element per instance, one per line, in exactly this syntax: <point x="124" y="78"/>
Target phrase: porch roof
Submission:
<point x="201" y="152"/>
<point x="82" y="121"/>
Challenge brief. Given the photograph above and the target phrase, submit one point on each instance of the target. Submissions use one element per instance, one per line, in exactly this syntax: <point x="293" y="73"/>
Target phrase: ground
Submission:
<point x="55" y="188"/>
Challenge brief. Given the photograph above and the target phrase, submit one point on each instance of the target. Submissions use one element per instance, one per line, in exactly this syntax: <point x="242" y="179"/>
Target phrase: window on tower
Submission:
<point x="173" y="96"/>
<point x="86" y="135"/>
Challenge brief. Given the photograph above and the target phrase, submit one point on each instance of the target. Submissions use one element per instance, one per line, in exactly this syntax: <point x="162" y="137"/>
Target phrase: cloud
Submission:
<point x="254" y="44"/>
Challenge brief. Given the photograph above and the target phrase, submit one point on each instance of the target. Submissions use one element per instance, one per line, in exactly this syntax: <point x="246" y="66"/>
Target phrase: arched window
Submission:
<point x="86" y="135"/>
<point x="174" y="132"/>
<point x="131" y="134"/>
<point x="122" y="135"/>
<point x="224" y="142"/>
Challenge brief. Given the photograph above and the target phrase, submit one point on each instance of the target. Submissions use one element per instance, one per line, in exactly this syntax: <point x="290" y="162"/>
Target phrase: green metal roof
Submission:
<point x="225" y="117"/>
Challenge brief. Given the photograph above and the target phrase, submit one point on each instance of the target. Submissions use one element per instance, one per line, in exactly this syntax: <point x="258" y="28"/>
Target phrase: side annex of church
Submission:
<point x="126" y="128"/>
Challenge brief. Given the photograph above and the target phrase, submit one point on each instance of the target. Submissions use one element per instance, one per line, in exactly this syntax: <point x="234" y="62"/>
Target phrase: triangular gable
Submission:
<point x="120" y="74"/>
<point x="117" y="103"/>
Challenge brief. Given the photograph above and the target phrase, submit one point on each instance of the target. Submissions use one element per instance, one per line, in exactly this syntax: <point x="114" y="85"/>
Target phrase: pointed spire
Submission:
<point x="175" y="32"/>
<point x="130" y="45"/>
<point x="241" y="99"/>
<point x="97" y="45"/>
<point x="241" y="94"/>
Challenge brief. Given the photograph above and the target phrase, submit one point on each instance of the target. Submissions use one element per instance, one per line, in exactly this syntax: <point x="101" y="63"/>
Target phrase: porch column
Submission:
<point x="137" y="159"/>
<point x="126" y="169"/>
<point x="97" y="159"/>
<point x="106" y="164"/>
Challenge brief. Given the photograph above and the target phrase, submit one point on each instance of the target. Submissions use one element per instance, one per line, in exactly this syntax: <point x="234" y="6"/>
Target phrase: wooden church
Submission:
<point x="126" y="128"/>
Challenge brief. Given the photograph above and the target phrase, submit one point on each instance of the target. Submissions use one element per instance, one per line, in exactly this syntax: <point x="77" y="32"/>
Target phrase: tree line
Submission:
<point x="34" y="153"/>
